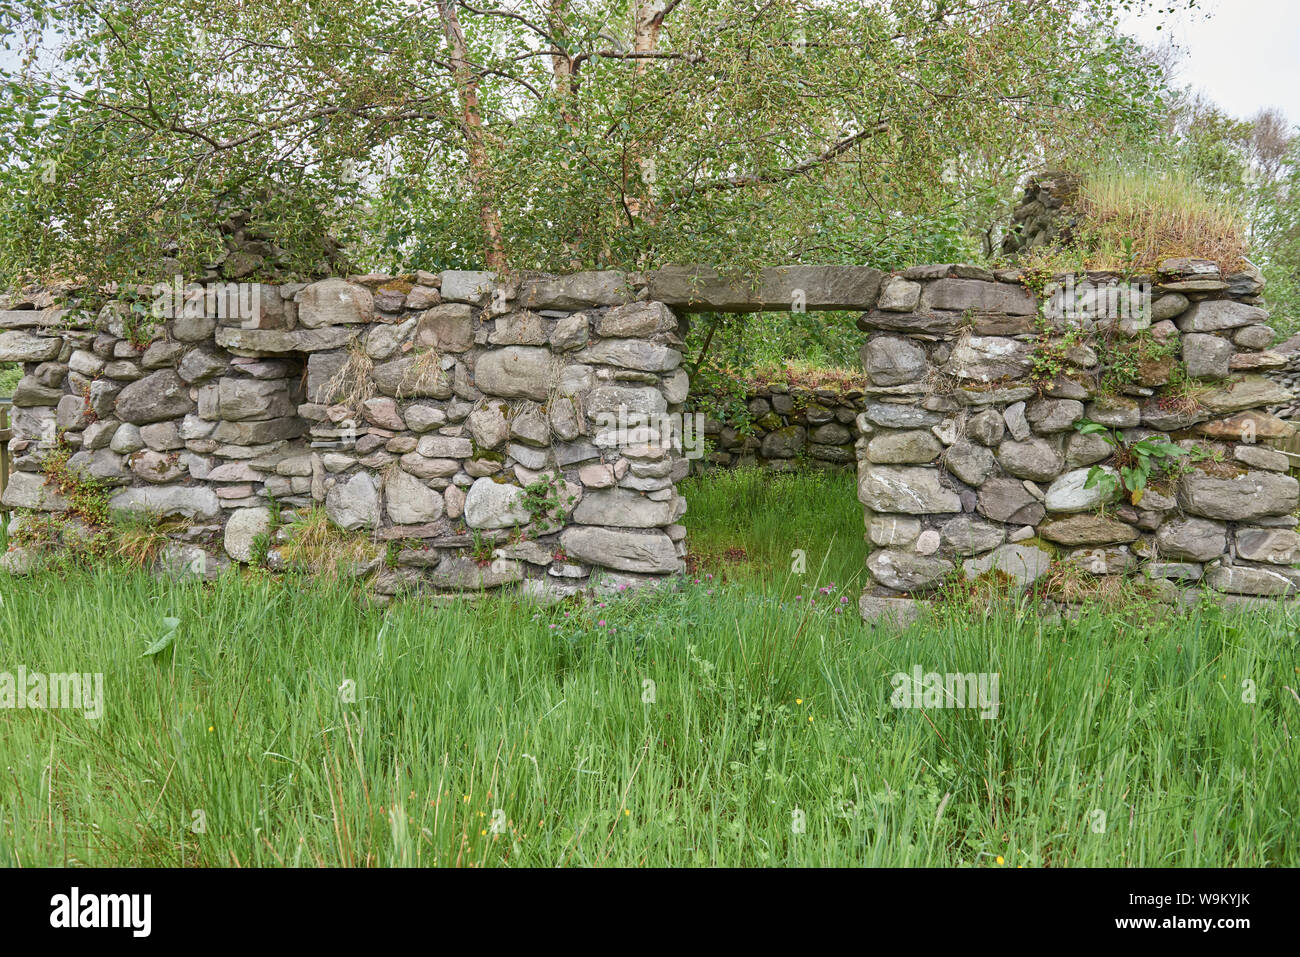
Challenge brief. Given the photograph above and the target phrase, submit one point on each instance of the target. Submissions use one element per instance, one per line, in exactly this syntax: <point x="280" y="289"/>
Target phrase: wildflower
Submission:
<point x="1000" y="861"/>
<point x="211" y="728"/>
<point x="601" y="623"/>
<point x="798" y="700"/>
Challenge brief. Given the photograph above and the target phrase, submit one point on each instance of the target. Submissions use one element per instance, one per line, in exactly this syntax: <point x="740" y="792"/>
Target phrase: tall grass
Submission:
<point x="745" y="722"/>
<point x="1133" y="218"/>
<point x="751" y="524"/>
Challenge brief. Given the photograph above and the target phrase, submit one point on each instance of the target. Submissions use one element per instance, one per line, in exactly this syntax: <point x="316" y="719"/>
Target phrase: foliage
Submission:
<point x="556" y="134"/>
<point x="763" y="703"/>
<point x="1135" y="462"/>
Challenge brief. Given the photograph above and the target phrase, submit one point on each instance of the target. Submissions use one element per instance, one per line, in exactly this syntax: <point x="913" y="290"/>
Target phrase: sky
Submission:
<point x="1244" y="54"/>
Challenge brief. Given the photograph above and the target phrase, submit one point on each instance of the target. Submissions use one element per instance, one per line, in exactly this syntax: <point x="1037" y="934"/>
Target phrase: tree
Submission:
<point x="548" y="134"/>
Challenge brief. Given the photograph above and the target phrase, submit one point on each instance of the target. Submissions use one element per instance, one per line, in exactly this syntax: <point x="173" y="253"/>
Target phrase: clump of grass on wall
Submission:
<point x="1131" y="219"/>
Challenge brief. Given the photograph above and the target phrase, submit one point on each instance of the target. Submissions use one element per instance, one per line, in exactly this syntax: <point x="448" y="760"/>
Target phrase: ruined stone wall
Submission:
<point x="465" y="422"/>
<point x="469" y="426"/>
<point x="972" y="460"/>
<point x="784" y="429"/>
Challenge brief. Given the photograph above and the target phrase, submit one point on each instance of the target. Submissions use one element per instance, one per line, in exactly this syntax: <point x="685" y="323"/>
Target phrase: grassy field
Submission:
<point x="738" y="719"/>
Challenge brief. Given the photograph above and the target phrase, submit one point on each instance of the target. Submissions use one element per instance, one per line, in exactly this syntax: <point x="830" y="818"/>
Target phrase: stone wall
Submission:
<point x="971" y="461"/>
<point x="464" y="420"/>
<point x="784" y="429"/>
<point x="467" y="425"/>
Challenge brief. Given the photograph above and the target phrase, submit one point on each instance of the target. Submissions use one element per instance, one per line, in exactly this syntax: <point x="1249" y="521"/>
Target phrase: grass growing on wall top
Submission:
<point x="1132" y="218"/>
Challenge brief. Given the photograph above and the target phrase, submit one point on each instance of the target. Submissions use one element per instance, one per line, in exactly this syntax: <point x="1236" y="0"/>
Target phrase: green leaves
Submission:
<point x="165" y="640"/>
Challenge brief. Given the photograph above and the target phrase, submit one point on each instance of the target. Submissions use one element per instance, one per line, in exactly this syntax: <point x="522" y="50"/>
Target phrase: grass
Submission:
<point x="1131" y="219"/>
<point x="749" y="525"/>
<point x="10" y="373"/>
<point x="298" y="725"/>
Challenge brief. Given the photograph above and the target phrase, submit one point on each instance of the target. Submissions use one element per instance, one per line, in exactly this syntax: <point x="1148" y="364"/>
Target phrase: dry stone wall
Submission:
<point x="784" y="428"/>
<point x="972" y="460"/>
<point x="472" y="423"/>
<point x="485" y="433"/>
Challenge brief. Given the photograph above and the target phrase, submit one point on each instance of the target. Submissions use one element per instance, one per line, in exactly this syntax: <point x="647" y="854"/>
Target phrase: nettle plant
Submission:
<point x="1135" y="462"/>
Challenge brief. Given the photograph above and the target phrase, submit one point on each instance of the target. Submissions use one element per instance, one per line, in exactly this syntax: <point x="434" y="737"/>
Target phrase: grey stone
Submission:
<point x="636" y="320"/>
<point x="446" y="328"/>
<point x="899" y="295"/>
<point x="1262" y="457"/>
<point x="1250" y="580"/>
<point x="905" y="490"/>
<point x="333" y="302"/>
<point x="1053" y="415"/>
<point x="28" y="490"/>
<point x="886" y="530"/>
<point x="1087" y="530"/>
<point x="489" y="504"/>
<point x="700" y="289"/>
<point x="571" y="332"/>
<point x="644" y="552"/>
<point x="900" y="448"/>
<point x="354" y="504"/>
<point x="1007" y="500"/>
<point x="988" y="359"/>
<point x="891" y="416"/>
<point x="516" y="372"/>
<point x="1254" y="337"/>
<point x="967" y="535"/>
<point x="25" y="347"/>
<point x="1241" y="498"/>
<point x="907" y="571"/>
<point x="1083" y="449"/>
<point x="162" y="436"/>
<point x="242" y="530"/>
<point x="1016" y="421"/>
<point x="971" y="463"/>
<point x="1036" y="459"/>
<point x="465" y="285"/>
<point x="1169" y="306"/>
<point x="240" y="399"/>
<point x="197" y="503"/>
<point x="893" y="360"/>
<point x="1275" y="546"/>
<point x="256" y="342"/>
<point x="1214" y="314"/>
<point x="1247" y="393"/>
<point x="977" y="296"/>
<point x="622" y="508"/>
<point x="160" y="395"/>
<point x="784" y="443"/>
<point x="1025" y="563"/>
<point x="630" y="354"/>
<point x="578" y="290"/>
<point x="409" y="501"/>
<point x="1070" y="494"/>
<point x="1116" y="412"/>
<point x="467" y="575"/>
<point x="1192" y="539"/>
<point x="1206" y="356"/>
<point x="411" y="377"/>
<point x="422" y="418"/>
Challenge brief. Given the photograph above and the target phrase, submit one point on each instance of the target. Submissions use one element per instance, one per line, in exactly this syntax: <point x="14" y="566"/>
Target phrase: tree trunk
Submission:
<point x="467" y="85"/>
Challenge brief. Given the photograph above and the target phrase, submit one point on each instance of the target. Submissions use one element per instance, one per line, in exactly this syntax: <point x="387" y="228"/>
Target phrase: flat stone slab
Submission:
<point x="701" y="289"/>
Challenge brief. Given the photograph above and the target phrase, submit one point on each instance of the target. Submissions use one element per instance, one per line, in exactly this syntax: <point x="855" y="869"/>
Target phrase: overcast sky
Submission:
<point x="1244" y="54"/>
